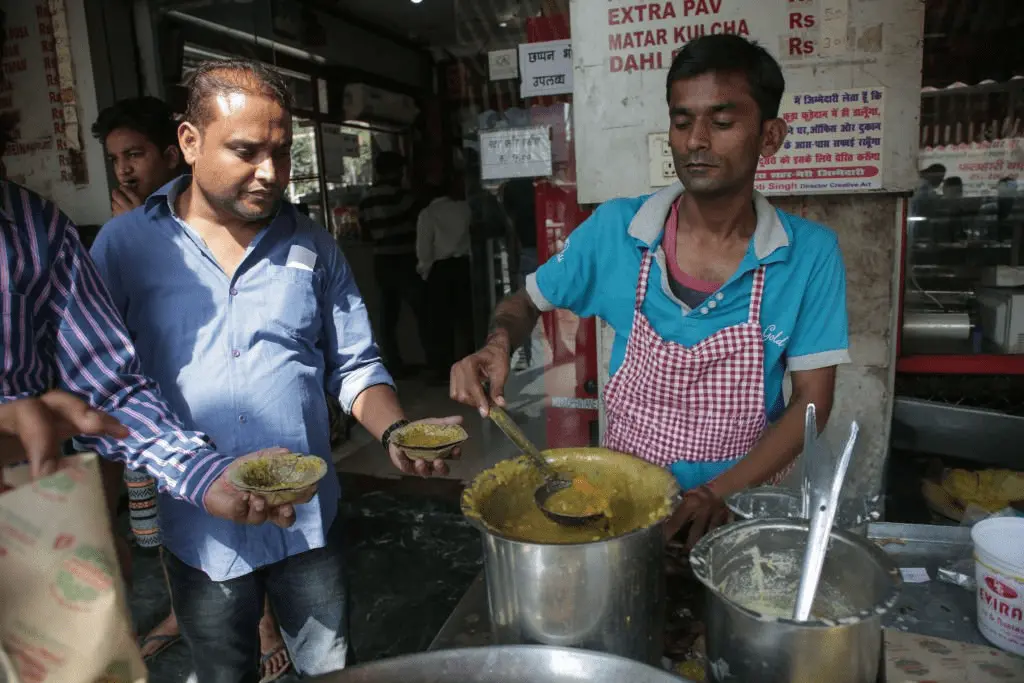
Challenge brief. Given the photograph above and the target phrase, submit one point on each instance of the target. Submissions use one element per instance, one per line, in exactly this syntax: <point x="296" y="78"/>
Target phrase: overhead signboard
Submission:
<point x="981" y="166"/>
<point x="503" y="64"/>
<point x="827" y="49"/>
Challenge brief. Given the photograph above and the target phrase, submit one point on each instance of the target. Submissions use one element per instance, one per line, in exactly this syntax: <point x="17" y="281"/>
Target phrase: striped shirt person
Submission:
<point x="59" y="329"/>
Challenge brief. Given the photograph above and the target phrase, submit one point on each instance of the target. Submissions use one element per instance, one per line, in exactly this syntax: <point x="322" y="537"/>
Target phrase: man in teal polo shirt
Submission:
<point x="712" y="293"/>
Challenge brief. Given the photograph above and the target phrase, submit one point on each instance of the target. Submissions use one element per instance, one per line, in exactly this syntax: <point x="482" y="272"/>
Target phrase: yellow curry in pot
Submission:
<point x="634" y="495"/>
<point x="581" y="499"/>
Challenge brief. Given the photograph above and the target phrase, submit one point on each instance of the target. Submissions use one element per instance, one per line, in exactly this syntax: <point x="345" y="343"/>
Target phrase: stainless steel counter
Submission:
<point x="933" y="608"/>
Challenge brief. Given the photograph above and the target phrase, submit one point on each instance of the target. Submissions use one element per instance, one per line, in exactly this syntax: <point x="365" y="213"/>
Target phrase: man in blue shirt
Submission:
<point x="140" y="136"/>
<point x="244" y="310"/>
<point x="713" y="295"/>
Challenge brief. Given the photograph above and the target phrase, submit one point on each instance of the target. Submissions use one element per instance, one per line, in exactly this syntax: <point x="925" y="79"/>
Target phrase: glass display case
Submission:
<point x="963" y="274"/>
<point x="304" y="188"/>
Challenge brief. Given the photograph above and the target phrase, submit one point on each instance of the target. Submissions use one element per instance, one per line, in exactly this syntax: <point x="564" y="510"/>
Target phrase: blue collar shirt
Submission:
<point x="803" y="313"/>
<point x="246" y="358"/>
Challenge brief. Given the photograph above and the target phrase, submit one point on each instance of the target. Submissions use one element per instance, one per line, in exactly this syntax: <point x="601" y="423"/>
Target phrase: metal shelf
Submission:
<point x="984" y="436"/>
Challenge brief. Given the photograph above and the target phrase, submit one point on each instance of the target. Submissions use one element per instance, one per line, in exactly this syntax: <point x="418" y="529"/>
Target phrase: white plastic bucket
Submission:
<point x="999" y="570"/>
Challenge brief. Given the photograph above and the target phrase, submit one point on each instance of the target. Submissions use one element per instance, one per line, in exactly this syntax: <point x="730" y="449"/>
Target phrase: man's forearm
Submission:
<point x="778" y="446"/>
<point x="514" y="320"/>
<point x="377" y="408"/>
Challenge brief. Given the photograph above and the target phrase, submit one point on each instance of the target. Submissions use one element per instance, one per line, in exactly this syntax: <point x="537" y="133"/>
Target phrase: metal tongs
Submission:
<point x="553" y="481"/>
<point x="822" y="485"/>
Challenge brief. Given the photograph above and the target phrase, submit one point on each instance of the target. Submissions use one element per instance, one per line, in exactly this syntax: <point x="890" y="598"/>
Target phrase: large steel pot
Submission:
<point x="605" y="595"/>
<point x="745" y="646"/>
<point x="781" y="502"/>
<point x="503" y="664"/>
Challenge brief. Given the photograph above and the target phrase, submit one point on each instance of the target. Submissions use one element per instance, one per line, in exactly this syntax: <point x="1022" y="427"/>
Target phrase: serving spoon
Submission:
<point x="553" y="481"/>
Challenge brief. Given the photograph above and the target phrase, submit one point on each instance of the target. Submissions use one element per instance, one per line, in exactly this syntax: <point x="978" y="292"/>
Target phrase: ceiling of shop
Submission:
<point x="457" y="26"/>
<point x="430" y="22"/>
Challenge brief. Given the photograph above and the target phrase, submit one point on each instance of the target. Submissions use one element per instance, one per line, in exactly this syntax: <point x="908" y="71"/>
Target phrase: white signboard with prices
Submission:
<point x="834" y="144"/>
<point x="623" y="49"/>
<point x="546" y="68"/>
<point x="516" y="153"/>
<point x="503" y="64"/>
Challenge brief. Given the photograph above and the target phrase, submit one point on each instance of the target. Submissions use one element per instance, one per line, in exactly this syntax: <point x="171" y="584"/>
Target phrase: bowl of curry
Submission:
<point x="279" y="479"/>
<point x="425" y="441"/>
<point x="631" y="493"/>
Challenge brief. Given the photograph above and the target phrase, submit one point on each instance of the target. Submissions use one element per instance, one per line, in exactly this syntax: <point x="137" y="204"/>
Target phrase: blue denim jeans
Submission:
<point x="220" y="620"/>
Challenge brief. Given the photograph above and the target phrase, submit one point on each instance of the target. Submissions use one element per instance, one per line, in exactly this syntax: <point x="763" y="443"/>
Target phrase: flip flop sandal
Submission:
<point x="269" y="678"/>
<point x="164" y="643"/>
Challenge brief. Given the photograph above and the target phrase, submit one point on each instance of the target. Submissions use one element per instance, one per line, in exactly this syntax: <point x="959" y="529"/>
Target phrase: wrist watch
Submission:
<point x="385" y="439"/>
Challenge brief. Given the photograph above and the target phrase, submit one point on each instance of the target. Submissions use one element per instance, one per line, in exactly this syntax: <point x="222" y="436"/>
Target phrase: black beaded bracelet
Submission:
<point x="385" y="439"/>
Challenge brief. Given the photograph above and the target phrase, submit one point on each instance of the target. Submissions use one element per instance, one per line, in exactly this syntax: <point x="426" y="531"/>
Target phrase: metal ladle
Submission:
<point x="553" y="482"/>
<point x="821" y="488"/>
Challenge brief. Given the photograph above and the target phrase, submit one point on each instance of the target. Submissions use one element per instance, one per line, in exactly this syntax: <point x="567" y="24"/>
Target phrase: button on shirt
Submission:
<point x="803" y="315"/>
<point x="244" y="358"/>
<point x="58" y="328"/>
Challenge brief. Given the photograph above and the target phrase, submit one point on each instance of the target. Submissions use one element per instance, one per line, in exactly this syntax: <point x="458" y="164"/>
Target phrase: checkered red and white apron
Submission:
<point x="705" y="403"/>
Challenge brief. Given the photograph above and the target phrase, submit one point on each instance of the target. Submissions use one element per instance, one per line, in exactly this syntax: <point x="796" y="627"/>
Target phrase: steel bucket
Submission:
<point x="744" y="645"/>
<point x="605" y="595"/>
<point x="503" y="665"/>
<point x="779" y="502"/>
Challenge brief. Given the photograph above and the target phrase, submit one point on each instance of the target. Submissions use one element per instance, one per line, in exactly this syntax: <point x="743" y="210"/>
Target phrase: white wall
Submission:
<point x="852" y="44"/>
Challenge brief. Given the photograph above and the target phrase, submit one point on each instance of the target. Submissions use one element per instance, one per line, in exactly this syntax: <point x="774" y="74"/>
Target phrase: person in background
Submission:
<point x="140" y="136"/>
<point x="1006" y="197"/>
<point x="519" y="200"/>
<point x="387" y="217"/>
<point x="489" y="223"/>
<point x="141" y="140"/>
<point x="442" y="254"/>
<point x="714" y="296"/>
<point x="929" y="189"/>
<point x="953" y="187"/>
<point x="931" y="178"/>
<point x="243" y="310"/>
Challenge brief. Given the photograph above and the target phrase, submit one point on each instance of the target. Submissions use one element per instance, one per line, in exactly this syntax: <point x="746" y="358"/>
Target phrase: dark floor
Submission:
<point x="411" y="556"/>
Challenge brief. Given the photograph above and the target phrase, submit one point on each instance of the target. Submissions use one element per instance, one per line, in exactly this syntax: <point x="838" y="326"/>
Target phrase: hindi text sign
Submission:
<point x="546" y="68"/>
<point x="515" y="153"/>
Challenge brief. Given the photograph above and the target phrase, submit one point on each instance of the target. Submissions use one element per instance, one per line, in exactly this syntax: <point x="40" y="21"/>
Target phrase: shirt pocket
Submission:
<point x="291" y="305"/>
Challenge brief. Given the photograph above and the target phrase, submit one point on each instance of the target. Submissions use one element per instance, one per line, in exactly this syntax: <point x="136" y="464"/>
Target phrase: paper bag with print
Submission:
<point x="63" y="613"/>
